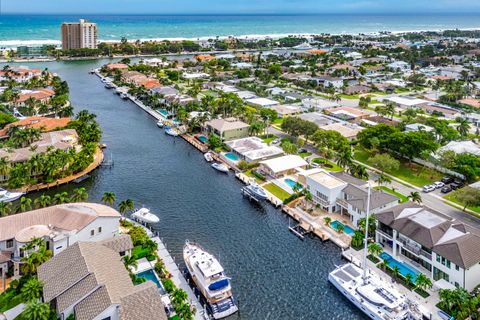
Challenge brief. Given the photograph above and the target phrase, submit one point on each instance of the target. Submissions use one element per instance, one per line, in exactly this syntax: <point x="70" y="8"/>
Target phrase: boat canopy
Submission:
<point x="218" y="285"/>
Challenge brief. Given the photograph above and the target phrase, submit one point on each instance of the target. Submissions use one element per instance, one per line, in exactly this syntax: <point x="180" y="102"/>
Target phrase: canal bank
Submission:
<point x="274" y="274"/>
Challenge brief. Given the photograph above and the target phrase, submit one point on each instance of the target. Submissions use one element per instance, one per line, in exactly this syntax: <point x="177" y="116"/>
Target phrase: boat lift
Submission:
<point x="298" y="230"/>
<point x="249" y="195"/>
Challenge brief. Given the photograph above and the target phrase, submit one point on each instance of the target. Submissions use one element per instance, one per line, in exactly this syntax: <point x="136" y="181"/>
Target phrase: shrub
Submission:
<point x="168" y="285"/>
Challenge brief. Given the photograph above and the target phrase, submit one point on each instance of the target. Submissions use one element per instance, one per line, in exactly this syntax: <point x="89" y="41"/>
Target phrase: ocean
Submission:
<point x="45" y="29"/>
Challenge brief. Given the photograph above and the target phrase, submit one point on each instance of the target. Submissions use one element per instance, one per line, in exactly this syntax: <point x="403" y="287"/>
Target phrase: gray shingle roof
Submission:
<point x="76" y="292"/>
<point x="358" y="197"/>
<point x="143" y="303"/>
<point x="119" y="244"/>
<point x="92" y="305"/>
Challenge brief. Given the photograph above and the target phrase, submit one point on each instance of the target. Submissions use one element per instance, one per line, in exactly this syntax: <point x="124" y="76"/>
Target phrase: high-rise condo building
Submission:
<point x="76" y="35"/>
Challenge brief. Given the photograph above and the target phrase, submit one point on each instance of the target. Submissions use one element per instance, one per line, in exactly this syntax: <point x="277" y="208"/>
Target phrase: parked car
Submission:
<point x="446" y="189"/>
<point x="439" y="184"/>
<point x="458" y="181"/>
<point x="447" y="180"/>
<point x="302" y="150"/>
<point x="276" y="142"/>
<point x="456" y="186"/>
<point x="429" y="188"/>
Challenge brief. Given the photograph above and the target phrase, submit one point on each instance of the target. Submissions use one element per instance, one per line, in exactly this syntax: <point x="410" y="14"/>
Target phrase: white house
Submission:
<point x="325" y="189"/>
<point x="60" y="226"/>
<point x="413" y="127"/>
<point x="281" y="166"/>
<point x="262" y="102"/>
<point x="431" y="243"/>
<point x="399" y="65"/>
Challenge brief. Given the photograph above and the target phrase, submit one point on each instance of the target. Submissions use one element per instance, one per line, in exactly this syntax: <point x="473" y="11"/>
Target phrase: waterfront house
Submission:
<point x="325" y="189"/>
<point x="227" y="129"/>
<point x="133" y="77"/>
<point x="435" y="244"/>
<point x="89" y="281"/>
<point x="39" y="95"/>
<point x="43" y="123"/>
<point x="253" y="149"/>
<point x="117" y="66"/>
<point x="19" y="74"/>
<point x="353" y="202"/>
<point x="281" y="166"/>
<point x="60" y="226"/>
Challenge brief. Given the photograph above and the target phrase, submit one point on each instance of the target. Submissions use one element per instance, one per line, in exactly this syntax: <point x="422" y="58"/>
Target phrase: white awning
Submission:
<point x="443" y="284"/>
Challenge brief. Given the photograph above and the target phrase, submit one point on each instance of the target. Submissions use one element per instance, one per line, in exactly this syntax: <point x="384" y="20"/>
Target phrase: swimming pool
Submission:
<point x="202" y="139"/>
<point x="232" y="156"/>
<point x="403" y="268"/>
<point x="150" y="276"/>
<point x="163" y="112"/>
<point x="346" y="229"/>
<point x="291" y="183"/>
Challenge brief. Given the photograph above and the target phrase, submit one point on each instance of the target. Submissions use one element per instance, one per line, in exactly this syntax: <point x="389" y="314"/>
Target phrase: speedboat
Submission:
<point x="209" y="277"/>
<point x="255" y="191"/>
<point x="145" y="215"/>
<point x="92" y="71"/>
<point x="171" y="132"/>
<point x="220" y="167"/>
<point x="208" y="157"/>
<point x="7" y="196"/>
<point x="160" y="124"/>
<point x="109" y="85"/>
<point x="124" y="95"/>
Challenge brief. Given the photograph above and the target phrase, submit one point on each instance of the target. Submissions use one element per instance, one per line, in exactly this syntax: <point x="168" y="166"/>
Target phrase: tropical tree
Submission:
<point x="358" y="171"/>
<point x="32" y="290"/>
<point x="109" y="198"/>
<point x="126" y="205"/>
<point x="374" y="249"/>
<point x="25" y="204"/>
<point x="415" y="197"/>
<point x="469" y="196"/>
<point x="340" y="228"/>
<point x="60" y="198"/>
<point x="130" y="261"/>
<point x="423" y="281"/>
<point x="463" y="126"/>
<point x="383" y="179"/>
<point x="5" y="208"/>
<point x="409" y="278"/>
<point x="79" y="195"/>
<point x="327" y="220"/>
<point x="37" y="311"/>
<point x="396" y="272"/>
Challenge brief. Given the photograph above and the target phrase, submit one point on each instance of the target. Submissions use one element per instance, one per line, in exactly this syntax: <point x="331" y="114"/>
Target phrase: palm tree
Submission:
<point x="126" y="205"/>
<point x="60" y="198"/>
<point x="130" y="261"/>
<point x="327" y="220"/>
<point x="4" y="166"/>
<point x="396" y="272"/>
<point x="79" y="195"/>
<point x="374" y="249"/>
<point x="37" y="311"/>
<point x="340" y="228"/>
<point x="383" y="179"/>
<point x="423" y="281"/>
<point x="344" y="158"/>
<point x="358" y="171"/>
<point x="415" y="197"/>
<point x="25" y="204"/>
<point x="109" y="198"/>
<point x="463" y="126"/>
<point x="32" y="290"/>
<point x="409" y="278"/>
<point x="42" y="201"/>
<point x="5" y="208"/>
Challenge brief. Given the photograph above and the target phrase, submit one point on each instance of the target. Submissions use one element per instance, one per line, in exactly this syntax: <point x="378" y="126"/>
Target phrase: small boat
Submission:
<point x="80" y="179"/>
<point x="208" y="157"/>
<point x="220" y="167"/>
<point x="145" y="215"/>
<point x="124" y="95"/>
<point x="160" y="124"/>
<point x="7" y="196"/>
<point x="103" y="146"/>
<point x="109" y="85"/>
<point x="209" y="277"/>
<point x="255" y="191"/>
<point x="171" y="132"/>
<point x="92" y="71"/>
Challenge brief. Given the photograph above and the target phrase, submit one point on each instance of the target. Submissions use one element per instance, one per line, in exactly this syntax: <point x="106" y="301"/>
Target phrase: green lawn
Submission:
<point x="305" y="154"/>
<point x="347" y="96"/>
<point x="402" y="197"/>
<point x="452" y="197"/>
<point x="276" y="191"/>
<point x="267" y="138"/>
<point x="278" y="121"/>
<point x="250" y="174"/>
<point x="140" y="252"/>
<point x="328" y="165"/>
<point x="414" y="173"/>
<point x="8" y="300"/>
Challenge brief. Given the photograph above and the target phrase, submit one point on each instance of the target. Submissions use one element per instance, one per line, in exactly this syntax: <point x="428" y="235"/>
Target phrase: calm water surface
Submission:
<point x="275" y="275"/>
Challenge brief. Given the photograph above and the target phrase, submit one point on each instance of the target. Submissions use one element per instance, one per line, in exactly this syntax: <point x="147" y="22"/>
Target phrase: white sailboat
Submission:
<point x="209" y="277"/>
<point x="377" y="298"/>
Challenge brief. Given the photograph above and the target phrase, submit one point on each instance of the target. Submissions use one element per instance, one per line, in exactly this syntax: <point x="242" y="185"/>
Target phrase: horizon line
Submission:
<point x="386" y="13"/>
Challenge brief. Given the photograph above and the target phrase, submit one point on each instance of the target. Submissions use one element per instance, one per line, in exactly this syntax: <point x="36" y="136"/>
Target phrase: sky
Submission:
<point x="237" y="6"/>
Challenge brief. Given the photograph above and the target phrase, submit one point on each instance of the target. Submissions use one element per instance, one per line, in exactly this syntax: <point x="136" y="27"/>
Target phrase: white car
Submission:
<point x="276" y="142"/>
<point x="439" y="184"/>
<point x="429" y="188"/>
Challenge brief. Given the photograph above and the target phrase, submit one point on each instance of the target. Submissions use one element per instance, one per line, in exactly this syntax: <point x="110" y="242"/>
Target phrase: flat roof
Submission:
<point x="285" y="163"/>
<point x="327" y="180"/>
<point x="263" y="102"/>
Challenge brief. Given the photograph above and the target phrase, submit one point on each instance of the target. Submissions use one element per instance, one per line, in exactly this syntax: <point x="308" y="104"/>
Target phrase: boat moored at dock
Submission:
<point x="7" y="196"/>
<point x="209" y="277"/>
<point x="144" y="215"/>
<point x="208" y="157"/>
<point x="254" y="190"/>
<point x="160" y="124"/>
<point x="220" y="167"/>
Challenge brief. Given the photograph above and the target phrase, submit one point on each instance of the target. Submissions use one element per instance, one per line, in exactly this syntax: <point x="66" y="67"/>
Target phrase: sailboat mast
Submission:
<point x="365" y="250"/>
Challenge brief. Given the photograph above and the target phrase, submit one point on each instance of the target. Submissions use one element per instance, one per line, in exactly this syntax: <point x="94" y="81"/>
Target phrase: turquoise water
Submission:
<point x="150" y="276"/>
<point x="292" y="183"/>
<point x="163" y="112"/>
<point x="203" y="139"/>
<point x="232" y="156"/>
<point x="16" y="29"/>
<point x="403" y="268"/>
<point x="346" y="229"/>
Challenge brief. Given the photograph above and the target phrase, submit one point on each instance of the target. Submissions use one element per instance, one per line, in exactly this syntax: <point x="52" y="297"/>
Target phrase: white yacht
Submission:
<point x="7" y="196"/>
<point x="209" y="277"/>
<point x="376" y="297"/>
<point x="124" y="95"/>
<point x="145" y="215"/>
<point x="171" y="132"/>
<point x="220" y="167"/>
<point x="256" y="191"/>
<point x="208" y="157"/>
<point x="160" y="124"/>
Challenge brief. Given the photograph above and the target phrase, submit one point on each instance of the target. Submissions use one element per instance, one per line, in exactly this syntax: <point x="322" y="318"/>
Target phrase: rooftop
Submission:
<point x="327" y="180"/>
<point x="284" y="163"/>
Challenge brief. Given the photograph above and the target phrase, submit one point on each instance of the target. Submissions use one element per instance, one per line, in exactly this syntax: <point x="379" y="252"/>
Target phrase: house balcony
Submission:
<point x="415" y="249"/>
<point x="342" y="203"/>
<point x="383" y="233"/>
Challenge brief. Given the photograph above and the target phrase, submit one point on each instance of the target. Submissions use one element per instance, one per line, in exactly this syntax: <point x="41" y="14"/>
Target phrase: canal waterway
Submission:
<point x="274" y="274"/>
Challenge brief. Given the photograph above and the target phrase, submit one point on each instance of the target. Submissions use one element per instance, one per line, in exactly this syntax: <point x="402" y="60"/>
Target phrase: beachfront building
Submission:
<point x="253" y="149"/>
<point x="444" y="249"/>
<point x="353" y="202"/>
<point x="60" y="226"/>
<point x="89" y="281"/>
<point x="281" y="166"/>
<point x="78" y="35"/>
<point x="227" y="129"/>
